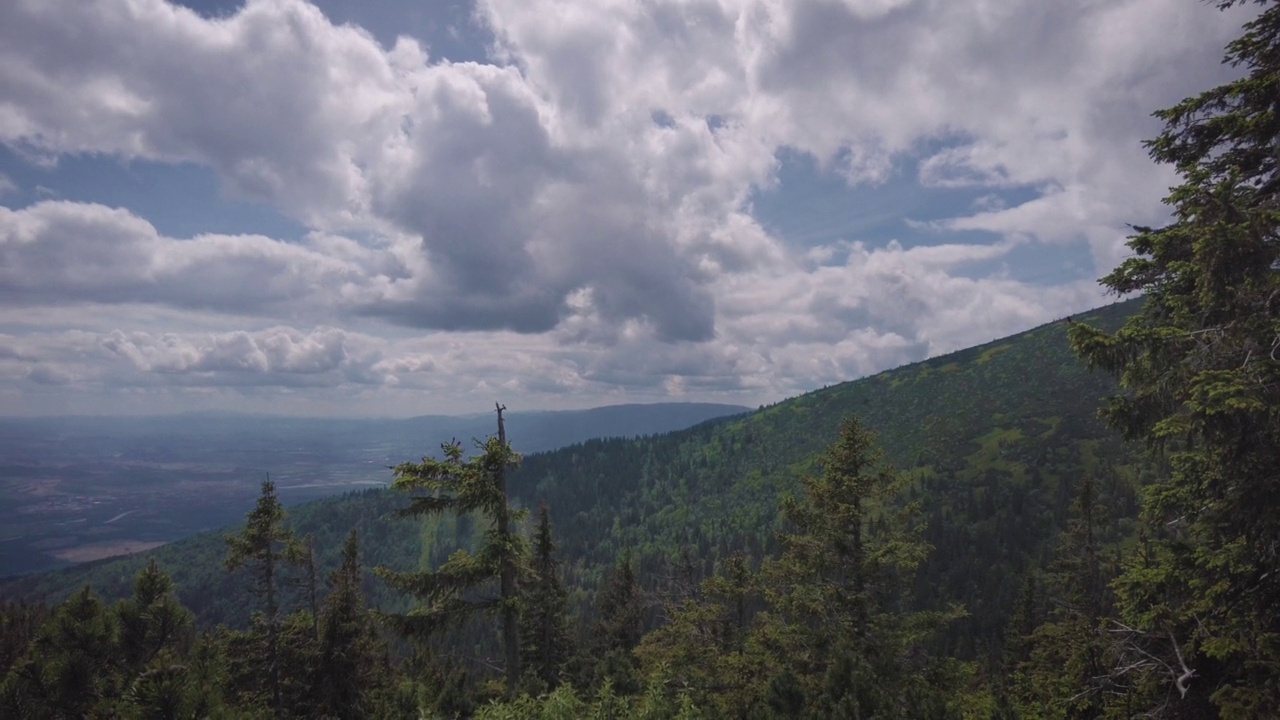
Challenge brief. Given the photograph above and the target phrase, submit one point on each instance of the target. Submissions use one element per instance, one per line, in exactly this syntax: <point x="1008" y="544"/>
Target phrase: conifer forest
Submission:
<point x="1081" y="521"/>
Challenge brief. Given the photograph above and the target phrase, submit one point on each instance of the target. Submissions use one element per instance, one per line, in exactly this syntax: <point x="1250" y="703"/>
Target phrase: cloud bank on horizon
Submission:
<point x="408" y="207"/>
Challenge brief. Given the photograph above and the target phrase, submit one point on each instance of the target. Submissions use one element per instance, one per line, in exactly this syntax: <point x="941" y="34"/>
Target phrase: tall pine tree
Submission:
<point x="619" y="627"/>
<point x="544" y="625"/>
<point x="1069" y="668"/>
<point x="1199" y="369"/>
<point x="705" y="644"/>
<point x="264" y="548"/>
<point x="457" y="589"/>
<point x="352" y="666"/>
<point x="837" y="594"/>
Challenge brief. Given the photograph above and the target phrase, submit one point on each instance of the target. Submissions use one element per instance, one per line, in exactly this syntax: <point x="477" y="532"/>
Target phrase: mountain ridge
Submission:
<point x="995" y="438"/>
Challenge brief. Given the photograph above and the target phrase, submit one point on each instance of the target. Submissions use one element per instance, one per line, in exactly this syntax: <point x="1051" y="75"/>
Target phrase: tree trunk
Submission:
<point x="859" y="574"/>
<point x="273" y="630"/>
<point x="312" y="590"/>
<point x="510" y="619"/>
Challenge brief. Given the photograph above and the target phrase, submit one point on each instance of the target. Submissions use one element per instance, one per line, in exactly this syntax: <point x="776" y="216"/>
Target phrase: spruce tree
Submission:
<point x="1069" y="671"/>
<point x="265" y="547"/>
<point x="847" y="644"/>
<point x="619" y="627"/>
<point x="544" y="625"/>
<point x="456" y="590"/>
<point x="1199" y="370"/>
<point x="352" y="659"/>
<point x="704" y="644"/>
<point x="309" y="581"/>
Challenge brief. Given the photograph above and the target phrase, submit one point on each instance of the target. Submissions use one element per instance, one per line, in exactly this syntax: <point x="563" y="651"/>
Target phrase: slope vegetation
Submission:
<point x="996" y="436"/>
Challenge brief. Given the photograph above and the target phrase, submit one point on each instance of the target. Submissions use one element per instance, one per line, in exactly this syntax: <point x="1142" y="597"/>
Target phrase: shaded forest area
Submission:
<point x="1026" y="560"/>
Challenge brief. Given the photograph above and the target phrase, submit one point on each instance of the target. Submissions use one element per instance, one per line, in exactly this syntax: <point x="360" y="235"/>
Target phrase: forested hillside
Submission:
<point x="996" y="438"/>
<point x="1022" y="560"/>
<point x="993" y="442"/>
<point x="75" y="489"/>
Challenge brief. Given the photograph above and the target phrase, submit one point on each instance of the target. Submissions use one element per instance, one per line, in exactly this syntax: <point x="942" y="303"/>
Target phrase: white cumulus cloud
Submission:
<point x="576" y="214"/>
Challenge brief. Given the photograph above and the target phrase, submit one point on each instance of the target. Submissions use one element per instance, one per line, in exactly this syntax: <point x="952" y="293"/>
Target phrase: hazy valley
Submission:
<point x="74" y="489"/>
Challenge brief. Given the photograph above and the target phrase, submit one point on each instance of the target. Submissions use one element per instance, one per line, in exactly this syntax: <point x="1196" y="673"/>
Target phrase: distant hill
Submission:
<point x="543" y="429"/>
<point x="80" y="488"/>
<point x="997" y="438"/>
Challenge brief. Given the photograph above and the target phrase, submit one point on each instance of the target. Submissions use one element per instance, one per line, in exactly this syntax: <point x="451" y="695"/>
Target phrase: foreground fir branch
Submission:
<point x="1199" y="369"/>
<point x="461" y="586"/>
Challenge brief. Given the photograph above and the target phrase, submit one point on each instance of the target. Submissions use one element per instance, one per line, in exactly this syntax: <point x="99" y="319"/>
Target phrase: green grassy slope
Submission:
<point x="997" y="437"/>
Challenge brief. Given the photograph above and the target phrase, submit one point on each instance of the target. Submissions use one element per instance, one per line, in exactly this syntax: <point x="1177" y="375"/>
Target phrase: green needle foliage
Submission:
<point x="837" y="595"/>
<point x="619" y="627"/>
<point x="1067" y="670"/>
<point x="151" y="620"/>
<point x="71" y="669"/>
<point x="352" y="666"/>
<point x="545" y="643"/>
<point x="264" y="548"/>
<point x="1200" y="375"/>
<point x="707" y="644"/>
<point x="460" y="587"/>
<point x="89" y="660"/>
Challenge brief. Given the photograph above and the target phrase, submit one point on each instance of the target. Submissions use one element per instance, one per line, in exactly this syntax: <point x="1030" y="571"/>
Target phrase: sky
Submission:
<point x="404" y="207"/>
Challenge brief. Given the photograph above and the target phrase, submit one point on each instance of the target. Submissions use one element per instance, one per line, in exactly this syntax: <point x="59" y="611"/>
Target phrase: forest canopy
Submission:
<point x="959" y="538"/>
